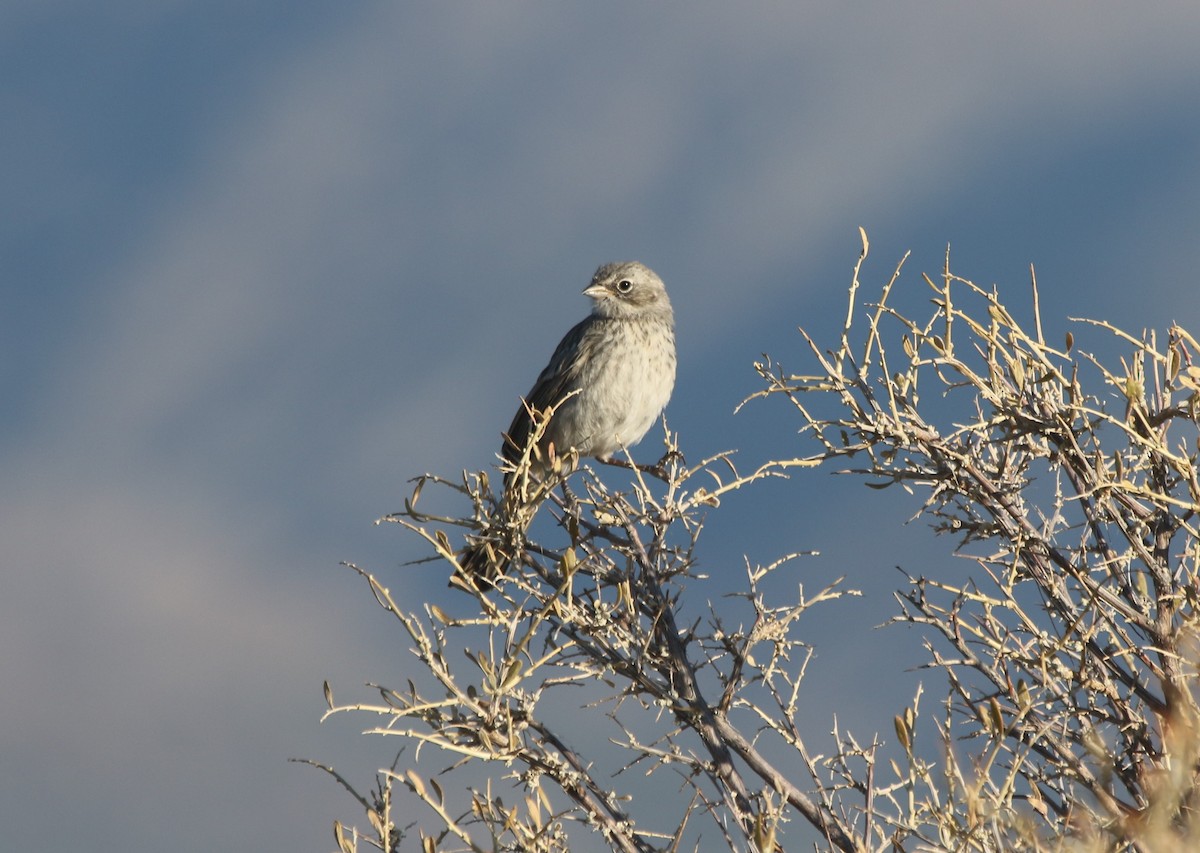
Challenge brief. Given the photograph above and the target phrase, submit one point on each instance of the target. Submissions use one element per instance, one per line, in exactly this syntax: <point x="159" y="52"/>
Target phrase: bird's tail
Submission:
<point x="488" y="556"/>
<point x="481" y="564"/>
<point x="530" y="471"/>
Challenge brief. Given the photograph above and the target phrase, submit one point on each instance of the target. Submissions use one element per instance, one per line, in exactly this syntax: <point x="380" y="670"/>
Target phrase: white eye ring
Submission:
<point x="624" y="285"/>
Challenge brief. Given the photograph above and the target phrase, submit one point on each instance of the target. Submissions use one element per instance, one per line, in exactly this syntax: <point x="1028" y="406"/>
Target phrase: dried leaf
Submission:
<point x="997" y="720"/>
<point x="346" y="845"/>
<point x="376" y="822"/>
<point x="511" y="676"/>
<point x="1018" y="372"/>
<point x="902" y="733"/>
<point x="416" y="783"/>
<point x="568" y="562"/>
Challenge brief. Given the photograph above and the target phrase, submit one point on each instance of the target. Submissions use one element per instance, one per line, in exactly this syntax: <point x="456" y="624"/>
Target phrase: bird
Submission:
<point x="607" y="382"/>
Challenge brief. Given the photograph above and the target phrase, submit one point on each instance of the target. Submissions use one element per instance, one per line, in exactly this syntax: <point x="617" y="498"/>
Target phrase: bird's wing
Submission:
<point x="556" y="380"/>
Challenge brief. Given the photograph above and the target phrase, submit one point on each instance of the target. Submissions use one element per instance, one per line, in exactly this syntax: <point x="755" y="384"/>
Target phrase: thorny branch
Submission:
<point x="1078" y="666"/>
<point x="1068" y="650"/>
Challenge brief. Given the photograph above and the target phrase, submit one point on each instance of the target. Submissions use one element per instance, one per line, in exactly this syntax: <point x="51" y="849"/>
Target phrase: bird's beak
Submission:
<point x="596" y="291"/>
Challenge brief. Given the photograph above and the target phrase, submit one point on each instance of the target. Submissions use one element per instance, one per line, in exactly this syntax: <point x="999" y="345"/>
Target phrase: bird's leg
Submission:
<point x="571" y="514"/>
<point x="658" y="469"/>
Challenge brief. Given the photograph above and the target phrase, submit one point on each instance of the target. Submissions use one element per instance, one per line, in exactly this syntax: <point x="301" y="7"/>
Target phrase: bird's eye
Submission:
<point x="624" y="285"/>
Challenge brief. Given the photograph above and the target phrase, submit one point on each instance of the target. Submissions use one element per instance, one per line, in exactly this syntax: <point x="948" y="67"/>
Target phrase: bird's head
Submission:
<point x="628" y="289"/>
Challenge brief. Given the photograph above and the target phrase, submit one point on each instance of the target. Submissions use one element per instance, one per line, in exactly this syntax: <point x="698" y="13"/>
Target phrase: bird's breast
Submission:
<point x="626" y="382"/>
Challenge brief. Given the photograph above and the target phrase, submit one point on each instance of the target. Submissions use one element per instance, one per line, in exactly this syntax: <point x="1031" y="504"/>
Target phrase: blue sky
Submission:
<point x="263" y="262"/>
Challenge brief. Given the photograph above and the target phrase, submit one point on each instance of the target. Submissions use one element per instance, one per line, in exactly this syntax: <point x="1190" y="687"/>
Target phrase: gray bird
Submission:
<point x="610" y="377"/>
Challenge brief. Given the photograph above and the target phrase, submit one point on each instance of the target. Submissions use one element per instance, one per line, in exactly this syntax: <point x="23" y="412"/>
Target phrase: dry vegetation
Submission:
<point x="1068" y="657"/>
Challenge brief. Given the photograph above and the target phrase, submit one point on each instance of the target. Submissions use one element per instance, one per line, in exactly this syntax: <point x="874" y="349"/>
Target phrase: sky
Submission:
<point x="264" y="262"/>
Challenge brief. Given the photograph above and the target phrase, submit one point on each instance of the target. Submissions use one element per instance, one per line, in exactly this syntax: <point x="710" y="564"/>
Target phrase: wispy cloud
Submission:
<point x="373" y="241"/>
